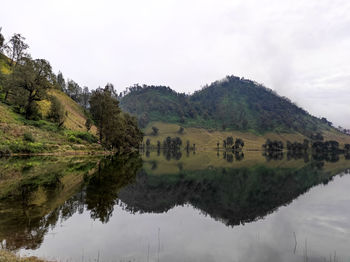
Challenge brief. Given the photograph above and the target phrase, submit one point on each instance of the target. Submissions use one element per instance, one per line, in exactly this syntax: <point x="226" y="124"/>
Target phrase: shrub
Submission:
<point x="4" y="150"/>
<point x="155" y="130"/>
<point x="28" y="137"/>
<point x="86" y="137"/>
<point x="57" y="112"/>
<point x="73" y="139"/>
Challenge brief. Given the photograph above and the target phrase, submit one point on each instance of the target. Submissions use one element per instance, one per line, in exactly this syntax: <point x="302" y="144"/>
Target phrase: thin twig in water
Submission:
<point x="148" y="253"/>
<point x="158" y="242"/>
<point x="295" y="241"/>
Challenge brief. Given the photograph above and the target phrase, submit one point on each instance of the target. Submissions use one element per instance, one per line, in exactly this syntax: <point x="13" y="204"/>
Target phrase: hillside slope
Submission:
<point x="230" y="104"/>
<point x="19" y="135"/>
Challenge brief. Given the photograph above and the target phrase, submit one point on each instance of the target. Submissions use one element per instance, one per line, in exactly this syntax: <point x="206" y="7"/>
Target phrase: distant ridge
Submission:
<point x="232" y="103"/>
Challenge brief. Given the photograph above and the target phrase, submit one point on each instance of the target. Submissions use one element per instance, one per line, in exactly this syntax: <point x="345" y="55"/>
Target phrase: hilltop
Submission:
<point x="230" y="104"/>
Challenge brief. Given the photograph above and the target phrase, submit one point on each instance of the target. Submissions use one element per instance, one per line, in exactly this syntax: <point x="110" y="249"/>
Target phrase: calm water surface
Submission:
<point x="206" y="206"/>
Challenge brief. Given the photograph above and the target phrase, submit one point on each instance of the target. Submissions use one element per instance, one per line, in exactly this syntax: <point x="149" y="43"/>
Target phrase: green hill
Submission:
<point x="230" y="104"/>
<point x="20" y="135"/>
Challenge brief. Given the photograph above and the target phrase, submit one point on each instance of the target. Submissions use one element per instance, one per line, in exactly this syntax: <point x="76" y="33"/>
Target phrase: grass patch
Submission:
<point x="78" y="137"/>
<point x="10" y="257"/>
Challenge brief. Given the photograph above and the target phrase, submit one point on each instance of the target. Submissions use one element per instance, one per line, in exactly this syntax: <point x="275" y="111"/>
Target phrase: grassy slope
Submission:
<point x="47" y="138"/>
<point x="75" y="119"/>
<point x="207" y="140"/>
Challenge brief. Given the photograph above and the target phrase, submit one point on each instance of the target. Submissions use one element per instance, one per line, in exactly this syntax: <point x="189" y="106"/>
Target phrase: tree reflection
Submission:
<point x="103" y="187"/>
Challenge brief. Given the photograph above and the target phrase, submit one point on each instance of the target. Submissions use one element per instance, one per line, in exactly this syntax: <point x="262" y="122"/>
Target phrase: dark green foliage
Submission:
<point x="298" y="147"/>
<point x="116" y="129"/>
<point x="347" y="147"/>
<point x="86" y="136"/>
<point x="88" y="124"/>
<point x="239" y="144"/>
<point x="78" y="137"/>
<point x="327" y="146"/>
<point x="230" y="144"/>
<point x="273" y="146"/>
<point x="73" y="90"/>
<point x="28" y="84"/>
<point x="229" y="141"/>
<point x="233" y="103"/>
<point x="57" y="112"/>
<point x="172" y="143"/>
<point x="103" y="187"/>
<point x="28" y="137"/>
<point x="4" y="151"/>
<point x="155" y="131"/>
<point x="157" y="103"/>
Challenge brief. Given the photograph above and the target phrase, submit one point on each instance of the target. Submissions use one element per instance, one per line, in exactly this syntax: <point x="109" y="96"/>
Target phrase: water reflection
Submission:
<point x="230" y="188"/>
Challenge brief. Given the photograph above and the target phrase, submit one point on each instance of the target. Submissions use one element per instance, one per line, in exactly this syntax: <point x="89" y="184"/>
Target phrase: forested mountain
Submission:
<point x="230" y="104"/>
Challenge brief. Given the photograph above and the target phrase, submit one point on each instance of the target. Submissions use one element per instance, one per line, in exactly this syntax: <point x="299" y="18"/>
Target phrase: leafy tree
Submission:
<point x="172" y="143"/>
<point x="239" y="144"/>
<point x="29" y="83"/>
<point x="105" y="111"/>
<point x="116" y="130"/>
<point x="181" y="130"/>
<point x="155" y="130"/>
<point x="74" y="90"/>
<point x="273" y="146"/>
<point x="57" y="112"/>
<point x="229" y="141"/>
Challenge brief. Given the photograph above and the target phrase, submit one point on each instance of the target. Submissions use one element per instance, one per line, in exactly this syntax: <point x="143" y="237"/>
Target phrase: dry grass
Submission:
<point x="6" y="256"/>
<point x="76" y="118"/>
<point x="207" y="140"/>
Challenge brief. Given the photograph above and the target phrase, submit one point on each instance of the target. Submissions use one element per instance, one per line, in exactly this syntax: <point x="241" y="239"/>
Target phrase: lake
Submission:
<point x="163" y="206"/>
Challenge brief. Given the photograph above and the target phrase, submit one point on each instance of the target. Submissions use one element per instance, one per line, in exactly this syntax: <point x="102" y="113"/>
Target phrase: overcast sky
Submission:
<point x="301" y="49"/>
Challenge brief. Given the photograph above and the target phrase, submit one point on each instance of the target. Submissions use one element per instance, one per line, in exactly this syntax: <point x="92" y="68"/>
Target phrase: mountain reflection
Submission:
<point x="228" y="193"/>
